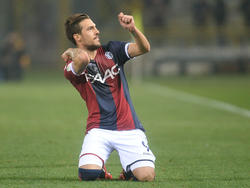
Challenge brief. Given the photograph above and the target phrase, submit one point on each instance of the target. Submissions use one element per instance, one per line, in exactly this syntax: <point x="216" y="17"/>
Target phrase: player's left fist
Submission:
<point x="126" y="21"/>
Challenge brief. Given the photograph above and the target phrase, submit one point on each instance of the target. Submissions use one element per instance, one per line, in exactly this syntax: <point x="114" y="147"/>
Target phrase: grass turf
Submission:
<point x="42" y="123"/>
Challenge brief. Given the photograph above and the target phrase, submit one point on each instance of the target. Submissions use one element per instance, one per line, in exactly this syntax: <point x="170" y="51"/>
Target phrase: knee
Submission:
<point x="89" y="174"/>
<point x="146" y="175"/>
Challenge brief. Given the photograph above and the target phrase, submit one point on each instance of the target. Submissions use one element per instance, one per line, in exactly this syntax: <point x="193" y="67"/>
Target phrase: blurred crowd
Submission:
<point x="13" y="58"/>
<point x="218" y="10"/>
<point x="203" y="13"/>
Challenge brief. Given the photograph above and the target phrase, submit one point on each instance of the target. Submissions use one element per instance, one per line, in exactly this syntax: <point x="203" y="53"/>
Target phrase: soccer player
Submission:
<point x="97" y="72"/>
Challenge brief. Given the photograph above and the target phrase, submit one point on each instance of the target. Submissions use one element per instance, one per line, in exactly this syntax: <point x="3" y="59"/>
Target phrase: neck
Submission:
<point x="91" y="54"/>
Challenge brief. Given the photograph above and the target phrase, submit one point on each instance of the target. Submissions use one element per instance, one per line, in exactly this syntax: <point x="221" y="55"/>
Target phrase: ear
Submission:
<point x="77" y="37"/>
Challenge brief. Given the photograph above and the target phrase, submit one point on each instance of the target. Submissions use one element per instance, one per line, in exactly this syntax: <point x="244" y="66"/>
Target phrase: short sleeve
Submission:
<point x="70" y="74"/>
<point x="120" y="51"/>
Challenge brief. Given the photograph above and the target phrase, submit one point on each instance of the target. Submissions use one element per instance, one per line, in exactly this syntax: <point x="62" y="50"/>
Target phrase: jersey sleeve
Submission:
<point x="70" y="74"/>
<point x="120" y="51"/>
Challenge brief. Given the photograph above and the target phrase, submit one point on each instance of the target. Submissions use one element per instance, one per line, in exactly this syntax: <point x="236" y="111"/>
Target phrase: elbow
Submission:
<point x="148" y="48"/>
<point x="144" y="47"/>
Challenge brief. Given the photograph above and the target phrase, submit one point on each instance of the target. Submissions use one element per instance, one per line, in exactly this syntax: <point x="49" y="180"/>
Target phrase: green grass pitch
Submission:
<point x="42" y="124"/>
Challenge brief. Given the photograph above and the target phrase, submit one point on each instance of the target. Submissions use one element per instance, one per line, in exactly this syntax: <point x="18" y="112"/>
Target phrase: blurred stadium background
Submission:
<point x="187" y="37"/>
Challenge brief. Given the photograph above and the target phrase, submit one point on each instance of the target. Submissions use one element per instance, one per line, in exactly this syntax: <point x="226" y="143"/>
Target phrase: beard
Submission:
<point x="93" y="47"/>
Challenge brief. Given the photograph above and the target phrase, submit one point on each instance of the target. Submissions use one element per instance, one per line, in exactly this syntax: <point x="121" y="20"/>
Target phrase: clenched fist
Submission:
<point x="126" y="21"/>
<point x="79" y="58"/>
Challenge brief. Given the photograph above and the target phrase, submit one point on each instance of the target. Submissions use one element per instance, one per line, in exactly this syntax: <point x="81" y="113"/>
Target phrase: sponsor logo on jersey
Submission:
<point x="108" y="55"/>
<point x="109" y="73"/>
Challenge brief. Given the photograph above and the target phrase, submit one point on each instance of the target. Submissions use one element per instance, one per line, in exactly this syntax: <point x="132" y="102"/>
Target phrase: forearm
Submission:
<point x="141" y="44"/>
<point x="80" y="61"/>
<point x="140" y="40"/>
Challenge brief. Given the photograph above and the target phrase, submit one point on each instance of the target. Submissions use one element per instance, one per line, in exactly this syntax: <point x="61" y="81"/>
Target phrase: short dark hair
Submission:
<point x="72" y="25"/>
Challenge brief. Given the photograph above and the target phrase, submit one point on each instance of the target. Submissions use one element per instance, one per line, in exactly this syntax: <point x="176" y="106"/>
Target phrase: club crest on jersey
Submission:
<point x="108" y="55"/>
<point x="109" y="73"/>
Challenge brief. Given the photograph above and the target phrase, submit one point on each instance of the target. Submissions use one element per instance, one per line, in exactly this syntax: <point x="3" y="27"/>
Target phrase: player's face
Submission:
<point x="89" y="35"/>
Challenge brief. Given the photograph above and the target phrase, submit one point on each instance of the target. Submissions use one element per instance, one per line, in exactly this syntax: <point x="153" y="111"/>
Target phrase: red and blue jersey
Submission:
<point x="104" y="88"/>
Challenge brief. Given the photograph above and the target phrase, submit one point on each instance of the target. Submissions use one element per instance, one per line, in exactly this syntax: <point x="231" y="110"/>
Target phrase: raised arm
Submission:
<point x="141" y="44"/>
<point x="79" y="58"/>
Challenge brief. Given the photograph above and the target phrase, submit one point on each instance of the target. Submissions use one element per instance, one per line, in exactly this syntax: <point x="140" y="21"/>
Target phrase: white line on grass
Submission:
<point x="183" y="96"/>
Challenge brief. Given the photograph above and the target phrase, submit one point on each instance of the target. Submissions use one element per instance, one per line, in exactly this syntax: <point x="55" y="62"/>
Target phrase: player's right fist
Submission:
<point x="79" y="58"/>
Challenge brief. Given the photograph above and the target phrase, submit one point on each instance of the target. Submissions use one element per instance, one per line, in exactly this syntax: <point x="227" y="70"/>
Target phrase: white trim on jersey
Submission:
<point x="126" y="49"/>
